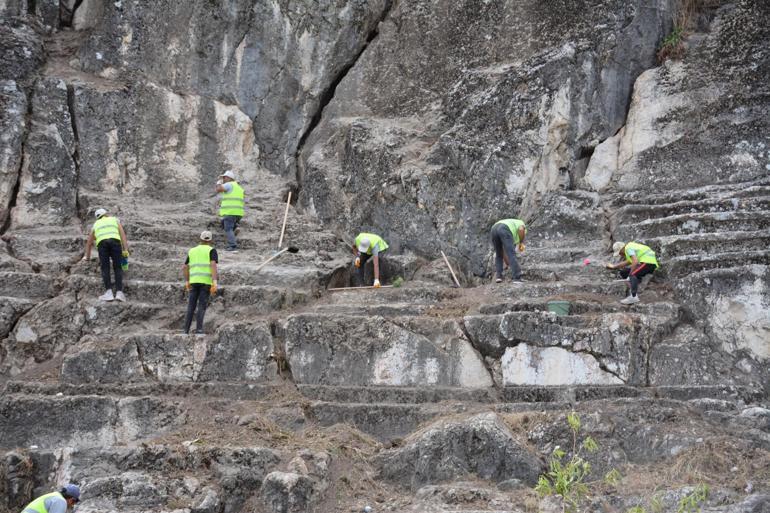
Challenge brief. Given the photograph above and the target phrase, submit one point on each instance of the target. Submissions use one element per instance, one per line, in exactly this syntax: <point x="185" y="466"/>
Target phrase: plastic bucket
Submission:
<point x="559" y="307"/>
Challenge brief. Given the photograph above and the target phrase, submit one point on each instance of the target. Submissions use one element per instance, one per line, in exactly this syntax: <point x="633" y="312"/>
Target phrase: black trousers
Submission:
<point x="197" y="304"/>
<point x="365" y="258"/>
<point x="111" y="249"/>
<point x="635" y="277"/>
<point x="502" y="240"/>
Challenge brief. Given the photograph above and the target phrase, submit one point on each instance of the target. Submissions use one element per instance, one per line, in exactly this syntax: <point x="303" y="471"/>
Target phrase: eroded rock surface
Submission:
<point x="425" y="122"/>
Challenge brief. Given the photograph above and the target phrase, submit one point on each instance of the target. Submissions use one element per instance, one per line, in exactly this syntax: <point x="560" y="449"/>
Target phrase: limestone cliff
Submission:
<point x="424" y="121"/>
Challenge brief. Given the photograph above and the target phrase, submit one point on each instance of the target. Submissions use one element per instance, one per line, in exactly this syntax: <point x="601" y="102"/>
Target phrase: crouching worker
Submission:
<point x="365" y="246"/>
<point x="200" y="273"/>
<point x="56" y="502"/>
<point x="639" y="261"/>
<point x="505" y="235"/>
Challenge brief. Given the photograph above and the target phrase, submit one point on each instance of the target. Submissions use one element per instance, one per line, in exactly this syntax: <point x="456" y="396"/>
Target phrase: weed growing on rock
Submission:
<point x="399" y="281"/>
<point x="692" y="502"/>
<point x="567" y="479"/>
<point x="672" y="46"/>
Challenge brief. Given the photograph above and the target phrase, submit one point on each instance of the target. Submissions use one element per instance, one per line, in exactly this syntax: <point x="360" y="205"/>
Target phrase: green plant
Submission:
<point x="398" y="282"/>
<point x="693" y="501"/>
<point x="672" y="46"/>
<point x="637" y="509"/>
<point x="567" y="479"/>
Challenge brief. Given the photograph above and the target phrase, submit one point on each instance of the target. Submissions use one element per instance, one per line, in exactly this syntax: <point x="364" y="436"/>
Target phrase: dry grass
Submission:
<point x="687" y="12"/>
<point x="719" y="462"/>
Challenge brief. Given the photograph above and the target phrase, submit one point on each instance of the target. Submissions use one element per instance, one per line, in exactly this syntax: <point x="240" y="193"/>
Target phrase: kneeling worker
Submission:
<point x="56" y="502"/>
<point x="642" y="262"/>
<point x="506" y="234"/>
<point x="369" y="245"/>
<point x="200" y="273"/>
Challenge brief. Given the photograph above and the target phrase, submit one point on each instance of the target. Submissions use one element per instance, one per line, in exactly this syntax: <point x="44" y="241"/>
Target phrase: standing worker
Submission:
<point x="642" y="261"/>
<point x="200" y="273"/>
<point x="369" y="245"/>
<point x="112" y="245"/>
<point x="506" y="234"/>
<point x="56" y="502"/>
<point x="230" y="207"/>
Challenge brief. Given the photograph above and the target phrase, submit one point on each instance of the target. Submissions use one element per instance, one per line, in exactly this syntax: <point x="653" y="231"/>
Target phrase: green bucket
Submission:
<point x="559" y="307"/>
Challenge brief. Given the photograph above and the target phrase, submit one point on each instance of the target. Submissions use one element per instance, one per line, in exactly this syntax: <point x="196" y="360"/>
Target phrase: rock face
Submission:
<point x="439" y="101"/>
<point x="336" y="351"/>
<point x="482" y="446"/>
<point x="273" y="61"/>
<point x="424" y="121"/>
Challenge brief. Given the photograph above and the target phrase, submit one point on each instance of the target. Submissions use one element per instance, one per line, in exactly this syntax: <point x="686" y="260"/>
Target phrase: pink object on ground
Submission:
<point x="586" y="261"/>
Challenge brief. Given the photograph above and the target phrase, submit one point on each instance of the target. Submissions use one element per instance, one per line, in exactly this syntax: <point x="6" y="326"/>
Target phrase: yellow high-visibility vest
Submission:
<point x="200" y="264"/>
<point x="39" y="503"/>
<point x="644" y="254"/>
<point x="232" y="202"/>
<point x="106" y="227"/>
<point x="374" y="240"/>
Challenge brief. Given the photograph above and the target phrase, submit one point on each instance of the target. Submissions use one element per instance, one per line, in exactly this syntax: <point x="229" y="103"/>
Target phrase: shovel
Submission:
<point x="290" y="249"/>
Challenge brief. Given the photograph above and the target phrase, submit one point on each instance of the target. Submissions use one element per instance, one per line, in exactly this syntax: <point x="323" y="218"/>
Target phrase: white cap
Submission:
<point x="229" y="174"/>
<point x="206" y="235"/>
<point x="100" y="212"/>
<point x="617" y="247"/>
<point x="363" y="246"/>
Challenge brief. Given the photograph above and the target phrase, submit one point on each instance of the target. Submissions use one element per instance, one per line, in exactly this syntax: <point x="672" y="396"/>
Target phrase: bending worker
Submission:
<point x="369" y="245"/>
<point x="200" y="273"/>
<point x="112" y="245"/>
<point x="56" y="502"/>
<point x="506" y="234"/>
<point x="642" y="262"/>
<point x="230" y="207"/>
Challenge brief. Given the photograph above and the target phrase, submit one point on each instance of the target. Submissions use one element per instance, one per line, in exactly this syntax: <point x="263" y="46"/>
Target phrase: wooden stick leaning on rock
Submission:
<point x="446" y="260"/>
<point x="285" y="217"/>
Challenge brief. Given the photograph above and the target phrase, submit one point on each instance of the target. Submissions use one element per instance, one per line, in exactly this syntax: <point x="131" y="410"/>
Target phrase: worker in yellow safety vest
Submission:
<point x="56" y="502"/>
<point x="232" y="201"/>
<point x="505" y="235"/>
<point x="638" y="261"/>
<point x="365" y="246"/>
<point x="200" y="273"/>
<point x="111" y="243"/>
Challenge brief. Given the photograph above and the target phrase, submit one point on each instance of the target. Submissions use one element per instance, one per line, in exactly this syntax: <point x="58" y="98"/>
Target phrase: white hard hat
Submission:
<point x="617" y="247"/>
<point x="206" y="235"/>
<point x="100" y="212"/>
<point x="229" y="174"/>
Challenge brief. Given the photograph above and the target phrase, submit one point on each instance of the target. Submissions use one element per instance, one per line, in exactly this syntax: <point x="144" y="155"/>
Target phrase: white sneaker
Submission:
<point x="107" y="296"/>
<point x="630" y="300"/>
<point x="120" y="296"/>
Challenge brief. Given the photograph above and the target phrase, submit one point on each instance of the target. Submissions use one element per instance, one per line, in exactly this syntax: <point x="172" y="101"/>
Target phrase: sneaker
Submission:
<point x="630" y="300"/>
<point x="498" y="280"/>
<point x="517" y="280"/>
<point x="120" y="296"/>
<point x="107" y="296"/>
<point x="199" y="333"/>
<point x="231" y="250"/>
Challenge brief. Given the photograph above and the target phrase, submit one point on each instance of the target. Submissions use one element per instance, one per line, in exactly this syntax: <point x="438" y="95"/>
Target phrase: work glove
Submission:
<point x="357" y="262"/>
<point x="187" y="286"/>
<point x="125" y="252"/>
<point x="609" y="266"/>
<point x="213" y="289"/>
<point x="376" y="284"/>
<point x="522" y="247"/>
